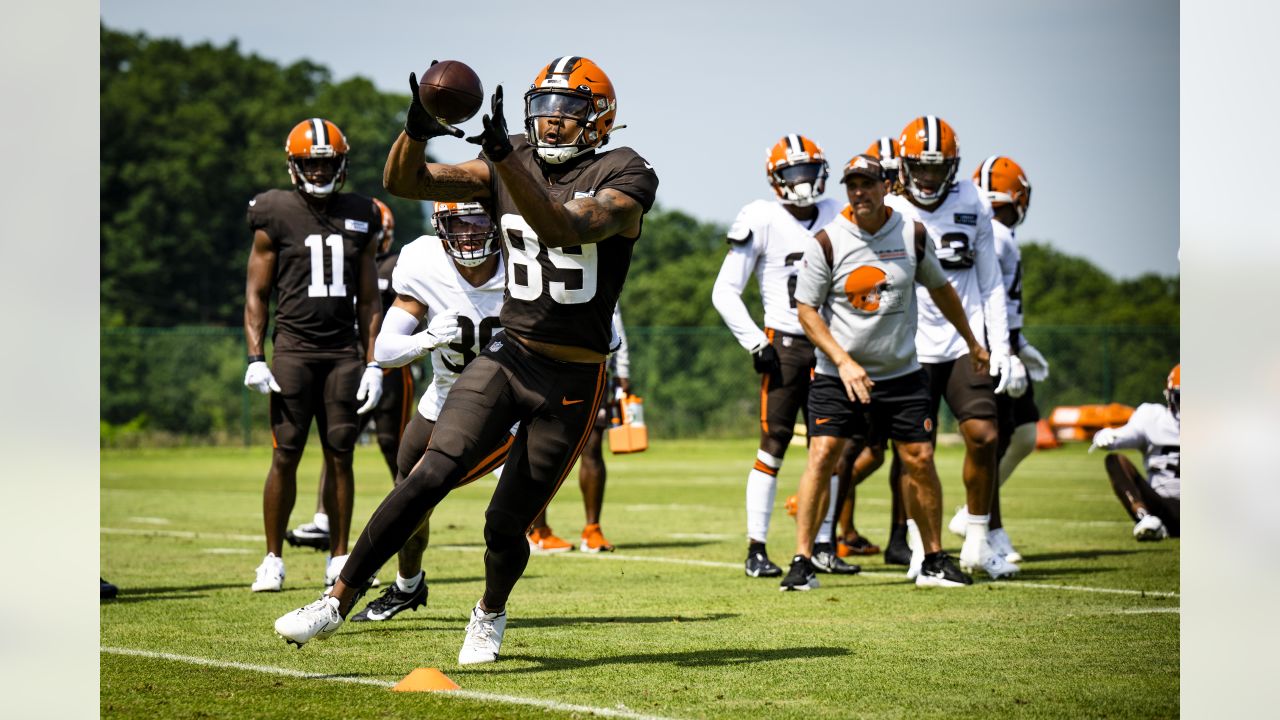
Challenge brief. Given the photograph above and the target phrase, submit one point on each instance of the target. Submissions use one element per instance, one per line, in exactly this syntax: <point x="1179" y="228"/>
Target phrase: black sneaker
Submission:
<point x="759" y="564"/>
<point x="939" y="571"/>
<point x="308" y="535"/>
<point x="393" y="602"/>
<point x="825" y="561"/>
<point x="108" y="590"/>
<point x="897" y="552"/>
<point x="800" y="576"/>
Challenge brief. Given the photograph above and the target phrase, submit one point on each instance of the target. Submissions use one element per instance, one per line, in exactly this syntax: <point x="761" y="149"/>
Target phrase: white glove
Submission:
<point x="442" y="330"/>
<point x="1103" y="439"/>
<point x="370" y="389"/>
<point x="258" y="377"/>
<point x="1037" y="366"/>
<point x="1017" y="385"/>
<point x="1000" y="370"/>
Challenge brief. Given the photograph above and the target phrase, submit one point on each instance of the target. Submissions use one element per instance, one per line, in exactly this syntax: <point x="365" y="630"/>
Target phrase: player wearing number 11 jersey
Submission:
<point x="568" y="215"/>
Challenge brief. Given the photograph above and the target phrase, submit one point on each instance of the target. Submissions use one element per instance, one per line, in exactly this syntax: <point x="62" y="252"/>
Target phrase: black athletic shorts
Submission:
<point x="323" y="388"/>
<point x="970" y="395"/>
<point x="413" y="445"/>
<point x="899" y="409"/>
<point x="1016" y="412"/>
<point x="784" y="393"/>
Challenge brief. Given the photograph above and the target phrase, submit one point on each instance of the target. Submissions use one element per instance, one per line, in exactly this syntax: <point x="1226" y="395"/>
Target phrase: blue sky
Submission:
<point x="1083" y="94"/>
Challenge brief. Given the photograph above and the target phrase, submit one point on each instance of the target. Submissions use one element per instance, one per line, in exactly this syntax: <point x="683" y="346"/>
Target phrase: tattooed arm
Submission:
<point x="407" y="175"/>
<point x="581" y="221"/>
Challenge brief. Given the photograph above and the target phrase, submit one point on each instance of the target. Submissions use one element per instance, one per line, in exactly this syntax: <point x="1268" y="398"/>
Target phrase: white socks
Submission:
<point x="824" y="532"/>
<point x="409" y="585"/>
<point x="762" y="489"/>
<point x="321" y="521"/>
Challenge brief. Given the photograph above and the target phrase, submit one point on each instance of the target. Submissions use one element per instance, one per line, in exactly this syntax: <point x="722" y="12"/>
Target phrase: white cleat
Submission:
<point x="332" y="568"/>
<point x="1150" y="527"/>
<point x="317" y="621"/>
<point x="960" y="521"/>
<point x="1000" y="544"/>
<point x="270" y="575"/>
<point x="917" y="550"/>
<point x="484" y="637"/>
<point x="997" y="567"/>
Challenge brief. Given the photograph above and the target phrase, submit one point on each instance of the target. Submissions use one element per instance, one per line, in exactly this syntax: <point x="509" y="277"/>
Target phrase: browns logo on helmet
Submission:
<point x="797" y="170"/>
<point x="467" y="231"/>
<point x="930" y="158"/>
<point x="1173" y="391"/>
<point x="885" y="149"/>
<point x="1004" y="182"/>
<point x="387" y="235"/>
<point x="569" y="109"/>
<point x="316" y="151"/>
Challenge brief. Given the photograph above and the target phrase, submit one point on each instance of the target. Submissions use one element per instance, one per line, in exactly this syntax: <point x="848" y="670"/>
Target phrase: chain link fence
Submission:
<point x="172" y="386"/>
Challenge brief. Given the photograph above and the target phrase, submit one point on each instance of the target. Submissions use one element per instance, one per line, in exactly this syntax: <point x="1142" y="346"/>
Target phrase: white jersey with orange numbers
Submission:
<point x="1010" y="259"/>
<point x="1155" y="431"/>
<point x="426" y="273"/>
<point x="960" y="227"/>
<point x="766" y="240"/>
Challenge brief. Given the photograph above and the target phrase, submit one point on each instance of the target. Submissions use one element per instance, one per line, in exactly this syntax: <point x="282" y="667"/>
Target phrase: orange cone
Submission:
<point x="425" y="680"/>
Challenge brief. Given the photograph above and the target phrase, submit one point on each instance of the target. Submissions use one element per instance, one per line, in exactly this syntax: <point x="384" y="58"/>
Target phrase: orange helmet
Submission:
<point x="869" y="290"/>
<point x="930" y="158"/>
<point x="797" y="170"/>
<point x="886" y="150"/>
<point x="1004" y="183"/>
<point x="388" y="234"/>
<point x="569" y="88"/>
<point x="1173" y="390"/>
<point x="317" y="155"/>
<point x="467" y="231"/>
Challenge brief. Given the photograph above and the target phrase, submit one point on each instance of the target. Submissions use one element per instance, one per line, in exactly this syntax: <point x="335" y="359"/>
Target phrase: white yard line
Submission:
<point x="620" y="712"/>
<point x="656" y="559"/>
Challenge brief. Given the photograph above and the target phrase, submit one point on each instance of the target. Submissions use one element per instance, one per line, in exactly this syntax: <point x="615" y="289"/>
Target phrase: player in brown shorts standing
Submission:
<point x="315" y="247"/>
<point x="569" y="215"/>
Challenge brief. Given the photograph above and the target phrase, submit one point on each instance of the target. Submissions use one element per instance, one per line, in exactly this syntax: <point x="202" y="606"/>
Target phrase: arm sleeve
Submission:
<point x="726" y="294"/>
<point x="991" y="285"/>
<point x="1133" y="434"/>
<point x="813" y="283"/>
<point x="621" y="356"/>
<point x="395" y="345"/>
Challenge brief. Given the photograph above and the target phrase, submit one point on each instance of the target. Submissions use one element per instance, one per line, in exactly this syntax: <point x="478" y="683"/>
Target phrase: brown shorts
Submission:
<point x="323" y="388"/>
<point x="970" y="395"/>
<point x="783" y="394"/>
<point x="899" y="409"/>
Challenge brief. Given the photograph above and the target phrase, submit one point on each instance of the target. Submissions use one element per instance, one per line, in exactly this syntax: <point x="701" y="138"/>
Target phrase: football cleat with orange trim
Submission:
<point x="569" y="109"/>
<point x="797" y="170"/>
<point x="542" y="540"/>
<point x="593" y="540"/>
<point x="1004" y="182"/>
<point x="793" y="505"/>
<point x="316" y="152"/>
<point x="930" y="158"/>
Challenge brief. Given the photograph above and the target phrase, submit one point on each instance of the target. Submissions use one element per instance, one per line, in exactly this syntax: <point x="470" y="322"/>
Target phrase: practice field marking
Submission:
<point x="226" y="551"/>
<point x="150" y="520"/>
<point x="469" y="694"/>
<point x="667" y="560"/>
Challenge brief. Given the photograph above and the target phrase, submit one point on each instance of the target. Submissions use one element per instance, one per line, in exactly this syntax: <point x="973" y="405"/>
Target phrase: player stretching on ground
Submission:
<point x="569" y="217"/>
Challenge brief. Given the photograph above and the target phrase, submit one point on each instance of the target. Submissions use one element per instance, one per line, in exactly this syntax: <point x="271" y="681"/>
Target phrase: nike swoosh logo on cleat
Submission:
<point x="566" y="401"/>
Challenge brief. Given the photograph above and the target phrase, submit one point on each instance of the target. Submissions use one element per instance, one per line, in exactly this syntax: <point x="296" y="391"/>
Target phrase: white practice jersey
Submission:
<point x="1155" y="431"/>
<point x="1010" y="259"/>
<point x="426" y="273"/>
<point x="767" y="241"/>
<point x="960" y="227"/>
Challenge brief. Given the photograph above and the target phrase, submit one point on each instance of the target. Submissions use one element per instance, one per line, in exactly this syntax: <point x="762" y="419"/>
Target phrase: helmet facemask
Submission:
<point x="468" y="234"/>
<point x="800" y="184"/>
<point x="318" y="175"/>
<point x="568" y="118"/>
<point x="928" y="178"/>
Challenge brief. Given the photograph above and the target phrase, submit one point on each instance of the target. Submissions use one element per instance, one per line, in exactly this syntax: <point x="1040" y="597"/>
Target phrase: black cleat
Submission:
<point x="939" y="571"/>
<point x="308" y="535"/>
<point x="759" y="565"/>
<point x="800" y="576"/>
<point x="825" y="561"/>
<point x="393" y="602"/>
<point x="108" y="591"/>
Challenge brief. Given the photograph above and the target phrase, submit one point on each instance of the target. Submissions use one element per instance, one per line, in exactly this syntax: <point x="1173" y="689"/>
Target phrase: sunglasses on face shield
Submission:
<point x="466" y="225"/>
<point x="801" y="173"/>
<point x="550" y="104"/>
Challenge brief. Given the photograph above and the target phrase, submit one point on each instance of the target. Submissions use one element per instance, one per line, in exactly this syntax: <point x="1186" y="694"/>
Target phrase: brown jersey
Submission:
<point x="566" y="295"/>
<point x="317" y="266"/>
<point x="386" y="265"/>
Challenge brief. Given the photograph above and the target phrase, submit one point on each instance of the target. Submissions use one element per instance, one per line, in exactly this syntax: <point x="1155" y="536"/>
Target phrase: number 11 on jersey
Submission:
<point x="318" y="287"/>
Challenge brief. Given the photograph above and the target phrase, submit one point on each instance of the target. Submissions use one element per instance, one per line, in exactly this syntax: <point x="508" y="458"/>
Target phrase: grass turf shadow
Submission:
<point x="695" y="658"/>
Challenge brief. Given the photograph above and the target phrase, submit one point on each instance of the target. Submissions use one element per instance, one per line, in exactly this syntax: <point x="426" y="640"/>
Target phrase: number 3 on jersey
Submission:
<point x="567" y="275"/>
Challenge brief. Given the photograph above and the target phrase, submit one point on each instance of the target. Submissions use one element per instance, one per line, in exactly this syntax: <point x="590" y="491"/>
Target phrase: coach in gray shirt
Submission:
<point x="860" y="273"/>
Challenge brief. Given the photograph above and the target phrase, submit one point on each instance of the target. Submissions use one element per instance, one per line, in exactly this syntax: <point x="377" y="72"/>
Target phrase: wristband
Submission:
<point x="374" y="364"/>
<point x="257" y="358"/>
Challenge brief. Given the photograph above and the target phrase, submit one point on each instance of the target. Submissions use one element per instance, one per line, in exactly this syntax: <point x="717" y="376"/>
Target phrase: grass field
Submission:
<point x="668" y="626"/>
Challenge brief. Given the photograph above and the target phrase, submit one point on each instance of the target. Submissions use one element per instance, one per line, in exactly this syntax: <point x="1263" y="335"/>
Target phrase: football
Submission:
<point x="451" y="91"/>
